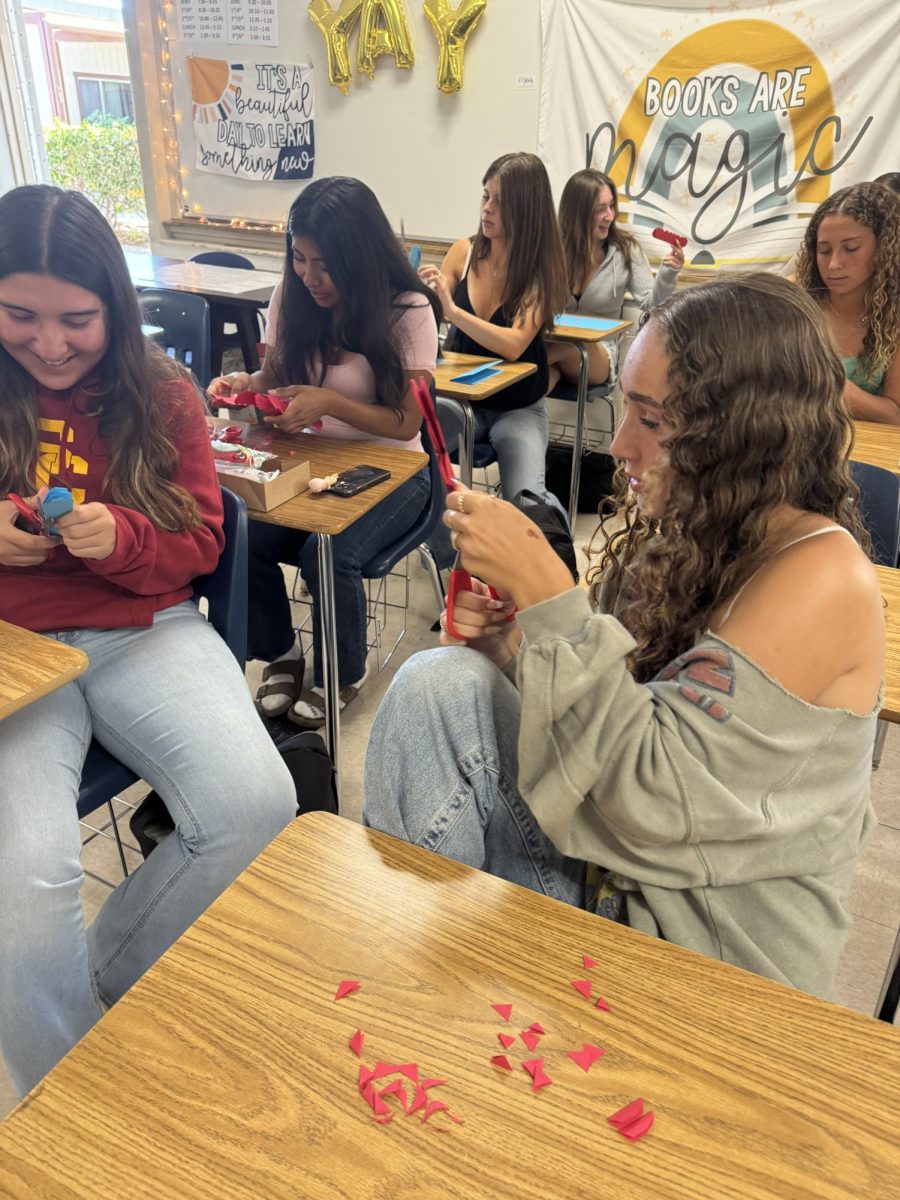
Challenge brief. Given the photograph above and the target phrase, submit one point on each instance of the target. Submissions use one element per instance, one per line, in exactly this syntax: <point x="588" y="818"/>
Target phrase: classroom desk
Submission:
<point x="451" y="364"/>
<point x="232" y="1055"/>
<point x="327" y="515"/>
<point x="32" y="666"/>
<point x="579" y="338"/>
<point x="889" y="582"/>
<point x="245" y="291"/>
<point x="878" y="444"/>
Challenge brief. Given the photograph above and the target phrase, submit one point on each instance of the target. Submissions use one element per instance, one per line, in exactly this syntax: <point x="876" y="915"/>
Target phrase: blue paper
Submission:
<point x="576" y="322"/>
<point x="476" y="375"/>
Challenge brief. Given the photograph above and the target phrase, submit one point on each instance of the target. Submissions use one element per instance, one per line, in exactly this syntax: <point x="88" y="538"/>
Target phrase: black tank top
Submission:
<point x="518" y="395"/>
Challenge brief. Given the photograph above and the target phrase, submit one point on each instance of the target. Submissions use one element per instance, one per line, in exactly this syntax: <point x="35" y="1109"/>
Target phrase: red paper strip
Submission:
<point x="427" y="1083"/>
<point x="345" y="987"/>
<point x="626" y="1115"/>
<point x="674" y="239"/>
<point x="602" y="1005"/>
<point x="500" y="1060"/>
<point x="530" y="1038"/>
<point x="433" y="1107"/>
<point x="583" y="986"/>
<point x="356" y="1042"/>
<point x="638" y="1128"/>
<point x="589" y="962"/>
<point x="419" y="1100"/>
<point x="506" y="1040"/>
<point x="505" y="1010"/>
<point x="586" y="1056"/>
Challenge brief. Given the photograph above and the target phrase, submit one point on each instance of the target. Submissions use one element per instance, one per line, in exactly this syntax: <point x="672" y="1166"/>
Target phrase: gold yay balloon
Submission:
<point x="384" y="29"/>
<point x="336" y="26"/>
<point x="452" y="28"/>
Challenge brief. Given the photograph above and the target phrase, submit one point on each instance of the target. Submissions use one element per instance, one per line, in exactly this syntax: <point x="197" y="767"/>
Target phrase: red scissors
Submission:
<point x="29" y="516"/>
<point x="460" y="579"/>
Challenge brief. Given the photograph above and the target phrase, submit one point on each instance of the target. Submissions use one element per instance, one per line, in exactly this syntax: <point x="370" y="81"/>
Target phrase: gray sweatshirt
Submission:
<point x="733" y="811"/>
<point x="604" y="295"/>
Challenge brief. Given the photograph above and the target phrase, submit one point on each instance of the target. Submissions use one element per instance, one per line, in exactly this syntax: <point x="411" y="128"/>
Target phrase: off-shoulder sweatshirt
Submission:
<point x="733" y="811"/>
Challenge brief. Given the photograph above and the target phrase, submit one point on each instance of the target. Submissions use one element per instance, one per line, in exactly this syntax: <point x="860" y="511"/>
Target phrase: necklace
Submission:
<point x="862" y="321"/>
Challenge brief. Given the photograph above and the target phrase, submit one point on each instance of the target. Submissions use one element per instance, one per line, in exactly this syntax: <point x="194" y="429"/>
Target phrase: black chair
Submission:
<point x="184" y="320"/>
<point x="880" y="510"/>
<point x="225" y="590"/>
<point x="224" y="314"/>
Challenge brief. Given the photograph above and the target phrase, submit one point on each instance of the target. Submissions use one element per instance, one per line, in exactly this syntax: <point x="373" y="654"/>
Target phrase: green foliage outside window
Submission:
<point x="100" y="158"/>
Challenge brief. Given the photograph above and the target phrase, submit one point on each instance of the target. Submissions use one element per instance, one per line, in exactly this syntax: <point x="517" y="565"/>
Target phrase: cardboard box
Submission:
<point x="292" y="480"/>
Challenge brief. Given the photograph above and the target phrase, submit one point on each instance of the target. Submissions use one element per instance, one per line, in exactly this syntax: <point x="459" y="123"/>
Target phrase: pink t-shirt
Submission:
<point x="353" y="377"/>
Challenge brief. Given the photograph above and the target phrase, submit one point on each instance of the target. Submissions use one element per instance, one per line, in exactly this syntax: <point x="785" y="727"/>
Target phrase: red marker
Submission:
<point x="674" y="239"/>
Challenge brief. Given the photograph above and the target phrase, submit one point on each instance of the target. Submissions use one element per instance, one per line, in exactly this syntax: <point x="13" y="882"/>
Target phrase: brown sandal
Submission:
<point x="290" y="689"/>
<point x="347" y="695"/>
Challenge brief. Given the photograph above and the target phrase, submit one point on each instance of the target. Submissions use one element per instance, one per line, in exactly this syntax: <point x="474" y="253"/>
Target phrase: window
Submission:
<point x="104" y="98"/>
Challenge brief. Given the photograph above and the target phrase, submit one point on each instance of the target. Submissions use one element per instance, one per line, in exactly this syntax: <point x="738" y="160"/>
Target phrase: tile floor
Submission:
<point x="874" y="900"/>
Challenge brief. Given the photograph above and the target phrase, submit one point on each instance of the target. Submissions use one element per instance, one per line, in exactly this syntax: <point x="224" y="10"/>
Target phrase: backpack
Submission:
<point x="595" y="482"/>
<point x="304" y="755"/>
<point x="552" y="524"/>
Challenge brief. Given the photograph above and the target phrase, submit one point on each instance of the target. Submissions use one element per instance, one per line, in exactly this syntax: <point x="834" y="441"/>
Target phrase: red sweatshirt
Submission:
<point x="150" y="568"/>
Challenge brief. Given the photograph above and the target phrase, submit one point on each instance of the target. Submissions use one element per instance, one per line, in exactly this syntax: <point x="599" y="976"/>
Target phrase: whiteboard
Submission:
<point x="422" y="153"/>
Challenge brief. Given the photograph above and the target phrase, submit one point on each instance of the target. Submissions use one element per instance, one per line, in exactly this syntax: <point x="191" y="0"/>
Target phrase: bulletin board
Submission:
<point x="234" y="63"/>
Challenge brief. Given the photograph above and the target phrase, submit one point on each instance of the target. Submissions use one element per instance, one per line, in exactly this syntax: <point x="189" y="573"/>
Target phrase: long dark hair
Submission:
<point x="48" y="231"/>
<point x="368" y="268"/>
<point x="535" y="265"/>
<point x="755" y="403"/>
<point x="576" y="221"/>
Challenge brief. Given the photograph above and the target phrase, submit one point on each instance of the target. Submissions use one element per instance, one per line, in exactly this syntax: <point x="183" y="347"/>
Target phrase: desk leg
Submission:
<point x="468" y="435"/>
<point x="328" y="644"/>
<point x="579" y="433"/>
<point x="248" y="331"/>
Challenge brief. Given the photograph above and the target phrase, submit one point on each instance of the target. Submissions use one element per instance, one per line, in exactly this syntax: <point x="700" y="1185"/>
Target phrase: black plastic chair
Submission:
<point x="184" y="319"/>
<point x="880" y="510"/>
<point x="225" y="590"/>
<point x="224" y="314"/>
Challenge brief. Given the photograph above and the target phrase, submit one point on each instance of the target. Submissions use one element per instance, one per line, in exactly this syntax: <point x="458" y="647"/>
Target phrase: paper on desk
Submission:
<point x="573" y="321"/>
<point x="505" y="1010"/>
<point x="478" y="374"/>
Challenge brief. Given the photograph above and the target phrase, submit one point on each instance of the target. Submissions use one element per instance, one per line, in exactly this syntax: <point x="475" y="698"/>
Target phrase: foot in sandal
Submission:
<point x="309" y="711"/>
<point x="282" y="684"/>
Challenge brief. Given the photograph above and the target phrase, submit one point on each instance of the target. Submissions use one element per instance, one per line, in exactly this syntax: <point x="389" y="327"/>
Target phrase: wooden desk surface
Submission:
<point x="32" y="666"/>
<point x="235" y="284"/>
<point x="325" y="513"/>
<point x="877" y="444"/>
<point x="574" y="333"/>
<point x="454" y="364"/>
<point x="889" y="581"/>
<point x="231" y="1055"/>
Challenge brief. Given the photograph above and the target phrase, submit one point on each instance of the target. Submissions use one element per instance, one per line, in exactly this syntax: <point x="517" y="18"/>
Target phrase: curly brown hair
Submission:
<point x="758" y="422"/>
<point x="876" y="206"/>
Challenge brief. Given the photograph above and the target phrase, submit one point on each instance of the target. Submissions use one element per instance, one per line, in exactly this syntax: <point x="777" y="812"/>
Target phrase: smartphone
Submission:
<point x="356" y="479"/>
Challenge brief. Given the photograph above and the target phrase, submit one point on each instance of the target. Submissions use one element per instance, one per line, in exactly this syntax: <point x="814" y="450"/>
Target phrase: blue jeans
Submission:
<point x="453" y="787"/>
<point x="170" y="701"/>
<point x="271" y="630"/>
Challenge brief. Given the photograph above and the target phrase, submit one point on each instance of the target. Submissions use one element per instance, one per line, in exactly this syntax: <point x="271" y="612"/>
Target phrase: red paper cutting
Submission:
<point x="586" y="1056"/>
<point x="534" y="1027"/>
<point x="420" y="1099"/>
<point x="397" y="1089"/>
<point x="505" y="1010"/>
<point x="356" y="1042"/>
<point x="381" y="1069"/>
<point x="638" y="1128"/>
<point x="583" y="986"/>
<point x="365" y="1074"/>
<point x="625" y="1116"/>
<point x="589" y="962"/>
<point x="674" y="239"/>
<point x="532" y="1065"/>
<point x="506" y="1040"/>
<point x="427" y="1083"/>
<point x="345" y="987"/>
<point x="540" y="1079"/>
<point x="500" y="1060"/>
<point x="602" y="1005"/>
<point x="530" y="1038"/>
<point x="410" y="1070"/>
<point x="433" y="1107"/>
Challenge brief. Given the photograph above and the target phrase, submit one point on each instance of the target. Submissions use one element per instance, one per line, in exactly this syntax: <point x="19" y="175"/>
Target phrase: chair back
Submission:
<point x="223" y="258"/>
<point x="184" y="319"/>
<point x="382" y="563"/>
<point x="880" y="510"/>
<point x="225" y="589"/>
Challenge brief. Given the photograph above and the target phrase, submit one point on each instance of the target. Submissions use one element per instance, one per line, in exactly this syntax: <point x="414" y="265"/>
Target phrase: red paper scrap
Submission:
<point x="500" y="1060"/>
<point x="532" y="1065"/>
<point x="625" y="1116"/>
<point x="456" y="1120"/>
<point x="427" y="1083"/>
<point x="589" y="962"/>
<point x="586" y="1056"/>
<point x="534" y="1027"/>
<point x="410" y="1070"/>
<point x="345" y="987"/>
<point x="506" y="1040"/>
<point x="365" y="1074"/>
<point x="540" y="1078"/>
<point x="356" y="1042"/>
<point x="583" y="986"/>
<point x="530" y="1038"/>
<point x="382" y="1069"/>
<point x="602" y="1005"/>
<point x="433" y="1107"/>
<point x="638" y="1128"/>
<point x="505" y="1010"/>
<point x="420" y="1099"/>
<point x="396" y="1089"/>
<point x="384" y="1120"/>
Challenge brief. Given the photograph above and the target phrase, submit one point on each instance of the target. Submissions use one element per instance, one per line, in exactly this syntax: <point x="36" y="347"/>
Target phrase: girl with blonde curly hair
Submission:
<point x="689" y="749"/>
<point x="849" y="263"/>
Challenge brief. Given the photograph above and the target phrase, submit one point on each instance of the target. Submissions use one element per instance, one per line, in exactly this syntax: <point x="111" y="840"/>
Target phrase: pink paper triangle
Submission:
<point x="583" y="986"/>
<point x="500" y="1060"/>
<point x="540" y="1079"/>
<point x="638" y="1128"/>
<point x="419" y="1100"/>
<point x="365" y="1074"/>
<point x="589" y="962"/>
<point x="410" y="1070"/>
<point x="626" y="1115"/>
<point x="345" y="987"/>
<point x="505" y="1040"/>
<point x="602" y="1005"/>
<point x="427" y="1083"/>
<point x="532" y="1065"/>
<point x="586" y="1056"/>
<point x="505" y="1010"/>
<point x="356" y="1042"/>
<point x="433" y="1107"/>
<point x="534" y="1027"/>
<point x="530" y="1038"/>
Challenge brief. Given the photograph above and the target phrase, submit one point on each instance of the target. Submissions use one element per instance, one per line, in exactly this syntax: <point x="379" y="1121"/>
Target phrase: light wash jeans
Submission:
<point x="170" y="701"/>
<point x="442" y="770"/>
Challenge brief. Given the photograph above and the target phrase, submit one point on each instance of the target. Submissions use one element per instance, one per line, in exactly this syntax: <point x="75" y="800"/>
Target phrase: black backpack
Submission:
<point x="304" y="755"/>
<point x="552" y="524"/>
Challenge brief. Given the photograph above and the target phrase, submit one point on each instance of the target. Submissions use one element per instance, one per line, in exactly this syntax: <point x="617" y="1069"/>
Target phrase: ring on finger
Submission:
<point x="461" y="501"/>
<point x="454" y="537"/>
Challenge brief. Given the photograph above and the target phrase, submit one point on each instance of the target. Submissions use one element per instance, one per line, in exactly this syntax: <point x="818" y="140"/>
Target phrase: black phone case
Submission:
<point x="357" y="479"/>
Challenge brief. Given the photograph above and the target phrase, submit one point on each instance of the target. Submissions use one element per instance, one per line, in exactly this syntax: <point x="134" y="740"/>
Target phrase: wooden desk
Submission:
<point x="32" y="666"/>
<point x="327" y="515"/>
<point x="877" y="444"/>
<point x="889" y="581"/>
<point x="580" y="338"/>
<point x="453" y="363"/>
<point x="233" y="1053"/>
